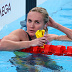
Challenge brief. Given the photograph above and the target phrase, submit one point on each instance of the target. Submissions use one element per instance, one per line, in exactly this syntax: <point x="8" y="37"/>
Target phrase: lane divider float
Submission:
<point x="49" y="50"/>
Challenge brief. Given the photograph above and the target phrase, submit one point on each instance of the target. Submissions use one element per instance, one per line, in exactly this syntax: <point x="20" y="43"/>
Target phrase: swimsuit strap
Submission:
<point x="29" y="37"/>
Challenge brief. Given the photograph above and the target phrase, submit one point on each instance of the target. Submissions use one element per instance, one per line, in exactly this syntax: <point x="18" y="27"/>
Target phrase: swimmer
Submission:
<point x="37" y="19"/>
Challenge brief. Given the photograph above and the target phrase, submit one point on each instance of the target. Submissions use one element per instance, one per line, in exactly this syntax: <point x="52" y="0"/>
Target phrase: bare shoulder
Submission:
<point x="18" y="31"/>
<point x="16" y="35"/>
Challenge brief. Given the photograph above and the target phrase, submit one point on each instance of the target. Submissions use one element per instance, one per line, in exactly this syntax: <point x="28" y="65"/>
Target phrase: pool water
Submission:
<point x="27" y="62"/>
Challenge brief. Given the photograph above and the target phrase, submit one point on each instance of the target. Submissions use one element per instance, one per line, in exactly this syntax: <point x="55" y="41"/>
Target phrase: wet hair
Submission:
<point x="43" y="12"/>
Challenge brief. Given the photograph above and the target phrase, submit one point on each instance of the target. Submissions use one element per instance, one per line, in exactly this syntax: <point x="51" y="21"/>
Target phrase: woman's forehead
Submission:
<point x="35" y="15"/>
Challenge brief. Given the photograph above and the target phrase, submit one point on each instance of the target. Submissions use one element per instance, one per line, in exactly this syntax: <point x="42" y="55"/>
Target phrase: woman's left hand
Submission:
<point x="51" y="22"/>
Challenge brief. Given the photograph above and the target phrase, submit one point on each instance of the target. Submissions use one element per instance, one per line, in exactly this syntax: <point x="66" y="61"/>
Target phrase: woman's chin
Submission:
<point x="31" y="34"/>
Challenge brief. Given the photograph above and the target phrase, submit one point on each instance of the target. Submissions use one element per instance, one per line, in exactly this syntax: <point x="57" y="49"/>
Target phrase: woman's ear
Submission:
<point x="45" y="26"/>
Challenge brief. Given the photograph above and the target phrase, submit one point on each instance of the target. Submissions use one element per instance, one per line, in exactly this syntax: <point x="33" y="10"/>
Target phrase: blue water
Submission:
<point x="61" y="12"/>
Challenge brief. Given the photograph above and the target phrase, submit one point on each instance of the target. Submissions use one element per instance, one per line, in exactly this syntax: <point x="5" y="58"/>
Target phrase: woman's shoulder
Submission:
<point x="19" y="33"/>
<point x="16" y="35"/>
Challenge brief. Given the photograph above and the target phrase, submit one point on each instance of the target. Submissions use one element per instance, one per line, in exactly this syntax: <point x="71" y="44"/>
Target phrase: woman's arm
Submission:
<point x="63" y="38"/>
<point x="51" y="37"/>
<point x="9" y="45"/>
<point x="65" y="30"/>
<point x="18" y="39"/>
<point x="13" y="40"/>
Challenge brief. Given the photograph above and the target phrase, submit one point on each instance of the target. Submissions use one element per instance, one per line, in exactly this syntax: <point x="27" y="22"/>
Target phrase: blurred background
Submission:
<point x="12" y="12"/>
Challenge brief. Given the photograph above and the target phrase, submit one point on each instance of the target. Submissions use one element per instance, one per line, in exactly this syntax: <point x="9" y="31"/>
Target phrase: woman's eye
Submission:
<point x="29" y="20"/>
<point x="37" y="22"/>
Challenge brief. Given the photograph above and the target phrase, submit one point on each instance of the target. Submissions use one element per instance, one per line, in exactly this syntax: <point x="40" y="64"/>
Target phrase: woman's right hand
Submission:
<point x="39" y="41"/>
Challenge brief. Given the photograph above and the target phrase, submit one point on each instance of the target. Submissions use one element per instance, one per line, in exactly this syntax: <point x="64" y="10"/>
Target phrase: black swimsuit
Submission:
<point x="29" y="37"/>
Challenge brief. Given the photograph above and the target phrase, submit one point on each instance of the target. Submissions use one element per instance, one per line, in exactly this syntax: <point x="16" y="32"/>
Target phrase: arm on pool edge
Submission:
<point x="63" y="38"/>
<point x="65" y="30"/>
<point x="8" y="45"/>
<point x="51" y="37"/>
<point x="12" y="41"/>
<point x="18" y="39"/>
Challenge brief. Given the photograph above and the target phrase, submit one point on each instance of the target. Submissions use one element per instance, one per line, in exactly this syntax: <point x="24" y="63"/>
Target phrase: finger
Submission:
<point x="41" y="44"/>
<point x="44" y="38"/>
<point x="42" y="41"/>
<point x="50" y="18"/>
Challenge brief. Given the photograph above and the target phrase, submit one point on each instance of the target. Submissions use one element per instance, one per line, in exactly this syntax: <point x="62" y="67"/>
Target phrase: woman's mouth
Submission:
<point x="32" y="31"/>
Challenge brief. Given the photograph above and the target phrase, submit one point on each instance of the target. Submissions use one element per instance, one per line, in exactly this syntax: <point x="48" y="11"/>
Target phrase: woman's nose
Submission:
<point x="32" y="24"/>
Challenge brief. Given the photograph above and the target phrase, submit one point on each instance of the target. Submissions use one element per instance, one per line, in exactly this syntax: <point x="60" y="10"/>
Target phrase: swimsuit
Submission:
<point x="29" y="37"/>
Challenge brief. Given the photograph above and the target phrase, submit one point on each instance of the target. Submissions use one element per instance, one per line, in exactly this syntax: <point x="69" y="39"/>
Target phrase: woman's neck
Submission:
<point x="33" y="37"/>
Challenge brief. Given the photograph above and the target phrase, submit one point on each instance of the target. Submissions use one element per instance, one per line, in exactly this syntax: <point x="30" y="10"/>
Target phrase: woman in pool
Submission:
<point x="37" y="19"/>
